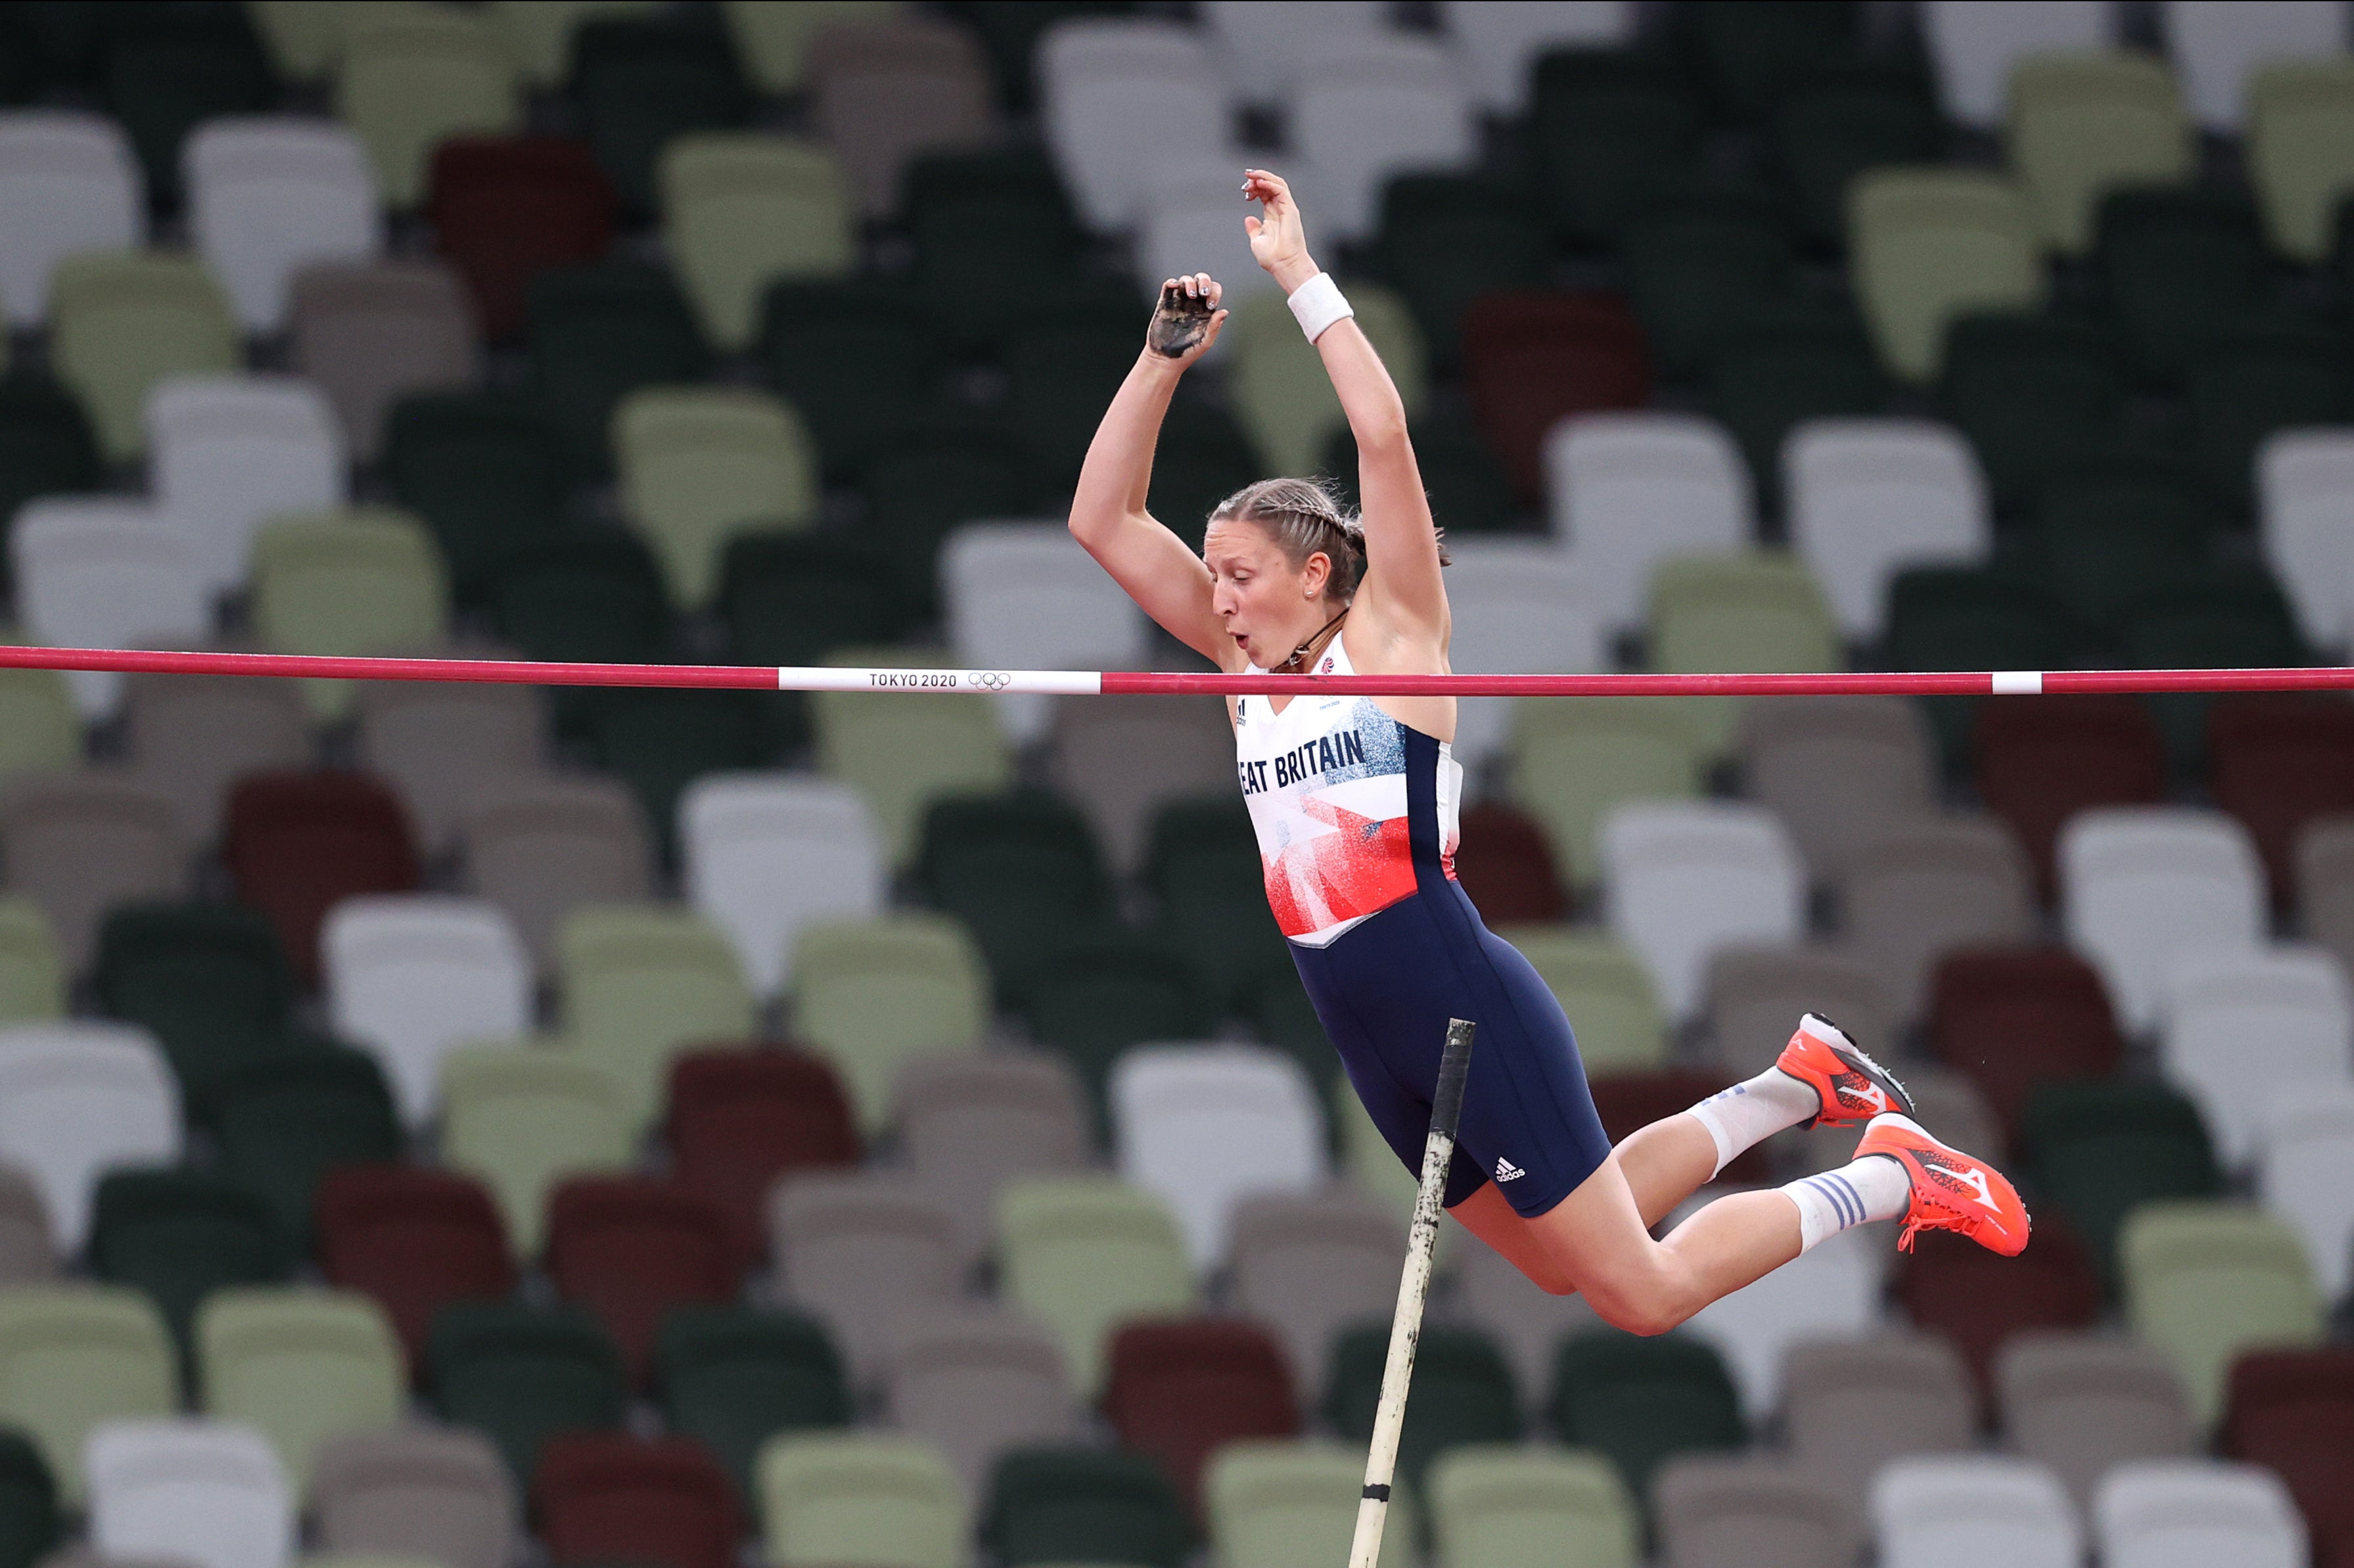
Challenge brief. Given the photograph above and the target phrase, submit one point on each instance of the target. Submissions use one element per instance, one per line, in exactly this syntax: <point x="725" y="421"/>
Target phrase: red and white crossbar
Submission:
<point x="1090" y="682"/>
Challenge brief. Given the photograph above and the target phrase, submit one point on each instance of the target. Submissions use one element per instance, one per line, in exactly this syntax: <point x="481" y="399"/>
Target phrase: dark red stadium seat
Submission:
<point x="1531" y="359"/>
<point x="738" y="1119"/>
<point x="2293" y="1411"/>
<point x="503" y="211"/>
<point x="1505" y="862"/>
<point x="1949" y="1284"/>
<point x="416" y="1240"/>
<point x="1628" y="1102"/>
<point x="2277" y="762"/>
<point x="630" y="1249"/>
<point x="298" y="843"/>
<point x="2043" y="759"/>
<point x="2010" y="1018"/>
<point x="1178" y="1391"/>
<point x="606" y="1497"/>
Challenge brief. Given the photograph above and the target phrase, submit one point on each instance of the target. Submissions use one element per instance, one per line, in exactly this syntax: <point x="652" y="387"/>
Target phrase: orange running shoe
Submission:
<point x="1951" y="1192"/>
<point x="1851" y="1087"/>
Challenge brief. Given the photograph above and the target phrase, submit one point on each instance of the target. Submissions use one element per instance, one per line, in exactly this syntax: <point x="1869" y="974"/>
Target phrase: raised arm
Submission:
<point x="1402" y="587"/>
<point x="1108" y="509"/>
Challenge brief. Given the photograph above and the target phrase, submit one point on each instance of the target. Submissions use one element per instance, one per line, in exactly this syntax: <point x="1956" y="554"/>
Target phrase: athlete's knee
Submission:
<point x="1646" y="1303"/>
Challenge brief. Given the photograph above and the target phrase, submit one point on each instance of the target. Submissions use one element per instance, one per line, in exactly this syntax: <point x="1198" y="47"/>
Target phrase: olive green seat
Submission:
<point x="700" y="465"/>
<point x="1927" y="245"/>
<point x="538" y="33"/>
<point x="2299" y="151"/>
<point x="900" y="752"/>
<point x="875" y="994"/>
<point x="1083" y="1254"/>
<point x="772" y="37"/>
<point x="1275" y="381"/>
<point x="1606" y="993"/>
<point x="408" y="79"/>
<point x="2206" y="1281"/>
<point x="742" y="211"/>
<point x="1495" y="1507"/>
<point x="121" y="321"/>
<point x="2078" y="126"/>
<point x="40" y="729"/>
<point x="301" y="1365"/>
<point x="72" y="1356"/>
<point x="1281" y="1504"/>
<point x="1759" y="611"/>
<point x="860" y="1500"/>
<point x="359" y="582"/>
<point x="1573" y="761"/>
<point x="641" y="982"/>
<point x="32" y="969"/>
<point x="523" y="1118"/>
<point x="302" y="37"/>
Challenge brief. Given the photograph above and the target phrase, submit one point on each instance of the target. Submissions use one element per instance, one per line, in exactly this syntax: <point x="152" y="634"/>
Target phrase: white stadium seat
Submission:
<point x="1520" y="608"/>
<point x="1119" y="96"/>
<point x="210" y="1494"/>
<point x="1193" y="222"/>
<point x="1261" y="47"/>
<point x="2305" y="514"/>
<point x="1365" y="110"/>
<point x="269" y="196"/>
<point x="77" y="1099"/>
<point x="2241" y="1028"/>
<point x="1973" y="44"/>
<point x="1867" y="498"/>
<point x="96" y="572"/>
<point x="2195" y="1513"/>
<point x="2216" y="44"/>
<point x="1942" y="1512"/>
<point x="1829" y="1293"/>
<point x="226" y="453"/>
<point x="2143" y="888"/>
<point x="1025" y="596"/>
<point x="1499" y="40"/>
<point x="770" y="855"/>
<point x="1685" y="879"/>
<point x="1206" y="1126"/>
<point x="67" y="184"/>
<point x="1629" y="490"/>
<point x="2308" y="1147"/>
<point x="411" y="976"/>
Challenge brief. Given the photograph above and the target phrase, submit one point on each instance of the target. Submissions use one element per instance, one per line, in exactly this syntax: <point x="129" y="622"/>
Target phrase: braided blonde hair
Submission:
<point x="1305" y="517"/>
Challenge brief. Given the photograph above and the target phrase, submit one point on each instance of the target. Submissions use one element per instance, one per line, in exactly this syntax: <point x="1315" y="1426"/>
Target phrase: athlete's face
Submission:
<point x="1270" y="606"/>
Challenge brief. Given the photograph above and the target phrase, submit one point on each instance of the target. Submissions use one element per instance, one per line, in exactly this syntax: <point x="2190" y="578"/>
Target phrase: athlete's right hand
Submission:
<point x="1185" y="321"/>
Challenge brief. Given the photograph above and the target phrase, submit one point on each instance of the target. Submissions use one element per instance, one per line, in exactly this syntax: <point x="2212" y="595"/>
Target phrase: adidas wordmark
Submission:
<point x="1508" y="1171"/>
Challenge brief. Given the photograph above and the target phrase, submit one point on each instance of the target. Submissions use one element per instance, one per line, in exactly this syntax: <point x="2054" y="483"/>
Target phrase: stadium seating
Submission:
<point x="2205" y="1281"/>
<point x="737" y="1119"/>
<point x="1948" y="1508"/>
<point x="406" y="81"/>
<point x="2294" y="166"/>
<point x="1573" y="764"/>
<point x="179" y="1237"/>
<point x="742" y="211"/>
<point x="1687" y="880"/>
<point x="415" y="1240"/>
<point x="1868" y="499"/>
<point x="876" y="994"/>
<point x="1605" y="988"/>
<point x="2243" y="1032"/>
<point x="2287" y="1411"/>
<point x="1714" y="1512"/>
<point x="522" y="1376"/>
<point x="282" y="1122"/>
<point x="210" y="981"/>
<point x="602" y="1492"/>
<point x="856" y="1247"/>
<point x="640" y="983"/>
<point x="1082" y="1254"/>
<point x="1491" y="1504"/>
<point x="2011" y="1018"/>
<point x="439" y="1492"/>
<point x="82" y="1097"/>
<point x="978" y="1385"/>
<point x="855" y="1498"/>
<point x="68" y="184"/>
<point x="1267" y="1503"/>
<point x="507" y="209"/>
<point x="633" y="1249"/>
<point x="1631" y="490"/>
<point x="2146" y="888"/>
<point x="2157" y="1511"/>
<point x="521" y="1119"/>
<point x="1205" y="1126"/>
<point x="733" y="1377"/>
<point x="210" y="1492"/>
<point x="301" y="1368"/>
<point x="1828" y="1293"/>
<point x="80" y="843"/>
<point x="1930" y="245"/>
<point x="268" y="198"/>
<point x="2082" y="1406"/>
<point x="2305" y="1136"/>
<point x="2077" y="126"/>
<point x="1641" y="1402"/>
<point x="1860" y="1403"/>
<point x="78" y="1357"/>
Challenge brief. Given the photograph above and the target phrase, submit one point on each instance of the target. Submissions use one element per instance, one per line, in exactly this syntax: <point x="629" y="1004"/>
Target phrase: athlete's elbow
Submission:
<point x="1383" y="434"/>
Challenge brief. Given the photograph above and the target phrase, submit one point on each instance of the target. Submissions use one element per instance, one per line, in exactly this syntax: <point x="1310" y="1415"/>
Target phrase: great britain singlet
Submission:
<point x="1326" y="781"/>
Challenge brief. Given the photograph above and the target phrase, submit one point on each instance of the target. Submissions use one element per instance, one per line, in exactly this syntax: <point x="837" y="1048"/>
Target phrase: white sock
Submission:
<point x="1750" y="1113"/>
<point x="1872" y="1188"/>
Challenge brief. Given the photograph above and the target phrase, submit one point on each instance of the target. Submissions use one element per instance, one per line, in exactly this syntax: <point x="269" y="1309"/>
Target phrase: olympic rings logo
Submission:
<point x="989" y="680"/>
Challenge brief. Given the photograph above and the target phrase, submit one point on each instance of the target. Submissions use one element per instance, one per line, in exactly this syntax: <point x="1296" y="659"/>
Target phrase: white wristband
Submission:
<point x="1317" y="304"/>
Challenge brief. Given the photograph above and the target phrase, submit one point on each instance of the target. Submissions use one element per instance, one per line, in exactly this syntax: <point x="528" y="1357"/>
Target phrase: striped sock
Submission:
<point x="1750" y="1113"/>
<point x="1872" y="1188"/>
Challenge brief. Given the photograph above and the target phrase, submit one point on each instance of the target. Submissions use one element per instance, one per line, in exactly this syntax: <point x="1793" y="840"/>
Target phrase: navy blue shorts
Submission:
<point x="1384" y="991"/>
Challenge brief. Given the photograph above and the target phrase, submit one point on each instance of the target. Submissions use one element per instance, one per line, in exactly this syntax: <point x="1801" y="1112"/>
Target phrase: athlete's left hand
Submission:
<point x="1279" y="239"/>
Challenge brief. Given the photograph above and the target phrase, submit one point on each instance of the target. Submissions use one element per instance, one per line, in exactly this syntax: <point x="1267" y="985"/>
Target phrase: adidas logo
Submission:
<point x="1508" y="1171"/>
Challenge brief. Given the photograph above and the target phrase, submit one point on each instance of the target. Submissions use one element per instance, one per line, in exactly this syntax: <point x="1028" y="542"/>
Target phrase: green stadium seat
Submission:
<point x="2098" y="1149"/>
<point x="304" y="1366"/>
<point x="121" y="322"/>
<point x="658" y="742"/>
<point x="1089" y="1001"/>
<point x="794" y="601"/>
<point x="733" y="1377"/>
<point x="524" y="1118"/>
<point x="857" y="358"/>
<point x="1756" y="611"/>
<point x="1275" y="383"/>
<point x="1834" y="123"/>
<point x="699" y="465"/>
<point x="642" y="81"/>
<point x="641" y="982"/>
<point x="179" y="1236"/>
<point x="520" y="1376"/>
<point x="73" y="1357"/>
<point x="1607" y="129"/>
<point x="2300" y="128"/>
<point x="1621" y="1027"/>
<point x="998" y="213"/>
<point x="40" y="727"/>
<point x="2180" y="266"/>
<point x="1082" y="1254"/>
<point x="1470" y="490"/>
<point x="1573" y="761"/>
<point x="32" y="971"/>
<point x="1444" y="240"/>
<point x="1061" y="366"/>
<point x="1928" y="245"/>
<point x="873" y="995"/>
<point x="1496" y="1505"/>
<point x="1751" y="56"/>
<point x="2036" y="395"/>
<point x="598" y="334"/>
<point x="941" y="475"/>
<point x="485" y="472"/>
<point x="902" y="754"/>
<point x="30" y="1525"/>
<point x="1021" y="870"/>
<point x="1071" y="1506"/>
<point x="1462" y="1392"/>
<point x="1204" y="870"/>
<point x="1202" y="458"/>
<point x="46" y="444"/>
<point x="2078" y="126"/>
<point x="413" y="77"/>
<point x="597" y="596"/>
<point x="741" y="212"/>
<point x="1279" y="1504"/>
<point x="539" y="37"/>
<point x="365" y="581"/>
<point x="861" y="1499"/>
<point x="2246" y="386"/>
<point x="1784" y="365"/>
<point x="2231" y="618"/>
<point x="1696" y="263"/>
<point x="1970" y="617"/>
<point x="281" y="1125"/>
<point x="1641" y="1401"/>
<point x="175" y="69"/>
<point x="2206" y="1281"/>
<point x="209" y="979"/>
<point x="2113" y="533"/>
